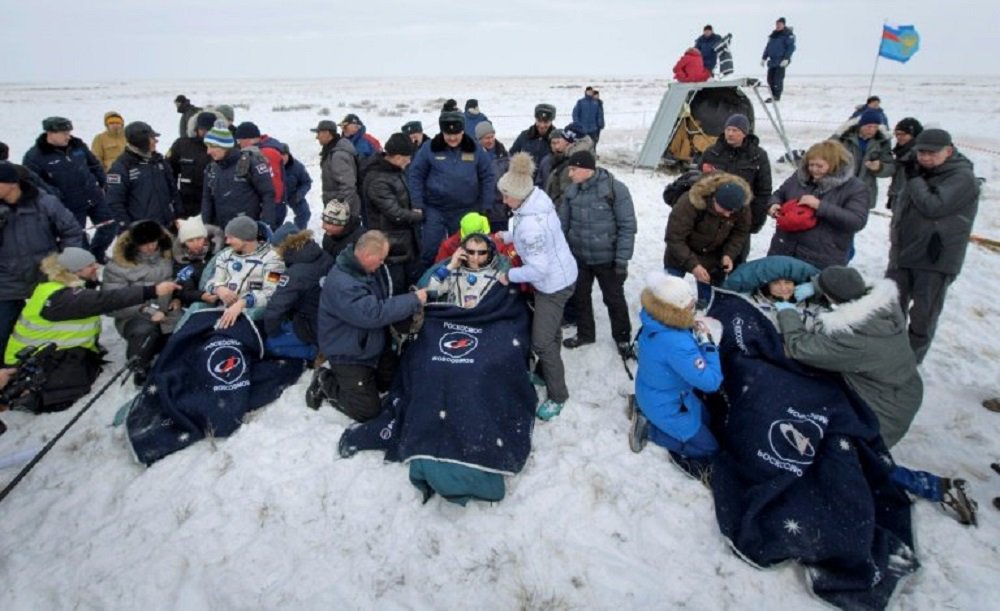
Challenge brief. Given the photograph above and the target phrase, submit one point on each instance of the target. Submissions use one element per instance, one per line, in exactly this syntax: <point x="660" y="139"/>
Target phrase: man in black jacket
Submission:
<point x="387" y="196"/>
<point x="535" y="139"/>
<point x="738" y="152"/>
<point x="75" y="176"/>
<point x="188" y="159"/>
<point x="931" y="224"/>
<point x="32" y="225"/>
<point x="140" y="183"/>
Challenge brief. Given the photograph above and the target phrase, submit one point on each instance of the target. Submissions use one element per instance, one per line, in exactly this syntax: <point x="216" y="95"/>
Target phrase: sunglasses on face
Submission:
<point x="481" y="253"/>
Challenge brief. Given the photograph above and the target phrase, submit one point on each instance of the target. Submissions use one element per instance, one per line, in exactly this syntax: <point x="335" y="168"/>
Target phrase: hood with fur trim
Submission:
<point x="882" y="298"/>
<point x="706" y="187"/>
<point x="668" y="314"/>
<point x="126" y="251"/>
<point x="57" y="273"/>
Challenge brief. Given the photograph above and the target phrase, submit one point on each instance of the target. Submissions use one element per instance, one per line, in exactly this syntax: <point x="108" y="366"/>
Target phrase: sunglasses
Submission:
<point x="477" y="252"/>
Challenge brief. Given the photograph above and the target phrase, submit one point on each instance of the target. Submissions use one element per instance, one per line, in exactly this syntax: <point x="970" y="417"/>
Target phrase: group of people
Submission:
<point x="448" y="218"/>
<point x="698" y="63"/>
<point x="875" y="334"/>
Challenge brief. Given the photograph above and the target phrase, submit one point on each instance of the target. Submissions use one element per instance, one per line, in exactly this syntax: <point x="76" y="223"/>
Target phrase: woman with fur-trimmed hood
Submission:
<point x="143" y="255"/>
<point x="708" y="227"/>
<point x="864" y="338"/>
<point x="676" y="357"/>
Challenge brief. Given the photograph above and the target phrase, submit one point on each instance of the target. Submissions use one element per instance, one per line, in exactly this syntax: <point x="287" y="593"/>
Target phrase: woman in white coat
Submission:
<point x="548" y="266"/>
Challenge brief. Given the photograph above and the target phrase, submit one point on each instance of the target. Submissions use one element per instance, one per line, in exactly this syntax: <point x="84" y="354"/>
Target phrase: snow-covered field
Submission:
<point x="272" y="518"/>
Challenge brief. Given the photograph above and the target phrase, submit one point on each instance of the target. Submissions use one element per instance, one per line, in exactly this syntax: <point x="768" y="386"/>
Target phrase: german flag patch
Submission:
<point x="273" y="277"/>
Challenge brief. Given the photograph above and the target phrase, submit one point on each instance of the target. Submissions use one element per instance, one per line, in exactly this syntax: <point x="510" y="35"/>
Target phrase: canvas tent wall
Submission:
<point x="711" y="103"/>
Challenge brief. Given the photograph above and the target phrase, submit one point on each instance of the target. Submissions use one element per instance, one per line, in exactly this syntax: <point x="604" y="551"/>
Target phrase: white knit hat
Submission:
<point x="188" y="229"/>
<point x="669" y="289"/>
<point x="519" y="179"/>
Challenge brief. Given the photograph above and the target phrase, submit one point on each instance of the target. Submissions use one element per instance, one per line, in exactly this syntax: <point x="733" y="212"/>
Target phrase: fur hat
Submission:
<point x="242" y="228"/>
<point x="518" y="182"/>
<point x="583" y="159"/>
<point x="451" y="122"/>
<point x="545" y="112"/>
<point x="336" y="212"/>
<point x="189" y="229"/>
<point x="471" y="223"/>
<point x="220" y="136"/>
<point x="57" y="124"/>
<point x="74" y="259"/>
<point x="870" y="116"/>
<point x="145" y="232"/>
<point x="399" y="144"/>
<point x="840" y="284"/>
<point x="412" y="127"/>
<point x="740" y="122"/>
<point x="668" y="299"/>
<point x="8" y="173"/>
<point x="483" y="128"/>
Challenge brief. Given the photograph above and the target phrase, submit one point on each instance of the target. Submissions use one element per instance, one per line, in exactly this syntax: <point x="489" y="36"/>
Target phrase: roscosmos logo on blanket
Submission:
<point x="226" y="364"/>
<point x="794" y="441"/>
<point x="458" y="342"/>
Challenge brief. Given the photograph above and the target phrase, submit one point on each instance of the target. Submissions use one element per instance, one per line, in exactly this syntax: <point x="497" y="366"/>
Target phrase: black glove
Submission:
<point x="912" y="169"/>
<point x="621" y="271"/>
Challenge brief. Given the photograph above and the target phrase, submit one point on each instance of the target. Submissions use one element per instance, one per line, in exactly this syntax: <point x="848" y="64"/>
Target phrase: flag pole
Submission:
<point x="878" y="54"/>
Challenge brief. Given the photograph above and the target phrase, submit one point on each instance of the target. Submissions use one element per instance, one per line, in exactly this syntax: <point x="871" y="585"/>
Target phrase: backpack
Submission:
<point x="673" y="191"/>
<point x="361" y="166"/>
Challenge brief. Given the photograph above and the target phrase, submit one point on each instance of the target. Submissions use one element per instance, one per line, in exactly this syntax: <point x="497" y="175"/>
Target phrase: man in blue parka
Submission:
<point x="706" y="44"/>
<point x="777" y="56"/>
<point x="236" y="182"/>
<point x="449" y="178"/>
<point x="589" y="113"/>
<point x="75" y="176"/>
<point x="355" y="310"/>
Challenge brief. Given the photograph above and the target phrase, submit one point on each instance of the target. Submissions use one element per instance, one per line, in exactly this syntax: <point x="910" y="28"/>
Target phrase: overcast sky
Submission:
<point x="108" y="40"/>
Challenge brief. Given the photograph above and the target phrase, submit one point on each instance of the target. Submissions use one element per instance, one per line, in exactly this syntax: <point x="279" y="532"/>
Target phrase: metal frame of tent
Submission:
<point x="668" y="118"/>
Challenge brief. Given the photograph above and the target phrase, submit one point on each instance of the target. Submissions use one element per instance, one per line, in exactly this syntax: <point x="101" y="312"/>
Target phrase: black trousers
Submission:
<point x="612" y="290"/>
<point x="144" y="339"/>
<point x="776" y="81"/>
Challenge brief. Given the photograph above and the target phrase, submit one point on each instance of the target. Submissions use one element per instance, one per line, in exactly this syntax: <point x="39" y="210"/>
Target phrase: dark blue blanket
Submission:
<point x="462" y="393"/>
<point x="803" y="473"/>
<point x="203" y="383"/>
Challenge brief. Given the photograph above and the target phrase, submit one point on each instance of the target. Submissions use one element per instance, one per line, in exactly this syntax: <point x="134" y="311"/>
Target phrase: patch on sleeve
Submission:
<point x="535" y="246"/>
<point x="114" y="179"/>
<point x="283" y="280"/>
<point x="274" y="277"/>
<point x="255" y="286"/>
<point x="263" y="168"/>
<point x="699" y="363"/>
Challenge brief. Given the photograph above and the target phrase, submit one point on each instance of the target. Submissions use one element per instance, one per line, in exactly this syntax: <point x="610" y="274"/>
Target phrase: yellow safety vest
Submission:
<point x="32" y="329"/>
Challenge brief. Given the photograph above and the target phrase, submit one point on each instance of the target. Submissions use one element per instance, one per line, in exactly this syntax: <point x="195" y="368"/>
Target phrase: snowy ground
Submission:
<point x="272" y="518"/>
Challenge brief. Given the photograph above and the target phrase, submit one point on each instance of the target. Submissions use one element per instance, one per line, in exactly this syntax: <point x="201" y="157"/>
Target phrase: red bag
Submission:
<point x="794" y="216"/>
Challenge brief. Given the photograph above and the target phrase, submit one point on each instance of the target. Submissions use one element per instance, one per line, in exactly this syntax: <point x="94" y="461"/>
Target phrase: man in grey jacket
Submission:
<point x="338" y="163"/>
<point x="599" y="220"/>
<point x="931" y="224"/>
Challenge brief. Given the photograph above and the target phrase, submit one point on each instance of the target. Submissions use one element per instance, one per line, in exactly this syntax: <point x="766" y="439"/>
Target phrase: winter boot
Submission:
<point x="638" y="430"/>
<point x="956" y="502"/>
<point x="992" y="404"/>
<point x="699" y="469"/>
<point x="548" y="410"/>
<point x="576" y="341"/>
<point x="626" y="350"/>
<point x="317" y="388"/>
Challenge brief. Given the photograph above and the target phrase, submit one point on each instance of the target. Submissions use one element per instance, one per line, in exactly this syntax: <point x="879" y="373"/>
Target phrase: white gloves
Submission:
<point x="763" y="62"/>
<point x="784" y="63"/>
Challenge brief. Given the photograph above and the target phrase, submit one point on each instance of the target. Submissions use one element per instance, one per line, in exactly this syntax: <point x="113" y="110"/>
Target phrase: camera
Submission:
<point x="33" y="362"/>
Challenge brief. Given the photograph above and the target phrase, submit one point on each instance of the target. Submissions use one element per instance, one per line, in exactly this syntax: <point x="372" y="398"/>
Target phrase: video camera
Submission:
<point x="33" y="365"/>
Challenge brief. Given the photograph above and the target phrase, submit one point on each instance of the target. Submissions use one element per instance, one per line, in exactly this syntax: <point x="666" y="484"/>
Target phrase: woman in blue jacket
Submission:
<point x="676" y="357"/>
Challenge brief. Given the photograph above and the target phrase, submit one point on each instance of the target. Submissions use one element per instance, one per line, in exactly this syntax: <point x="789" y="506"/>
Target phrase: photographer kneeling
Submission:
<point x="64" y="312"/>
